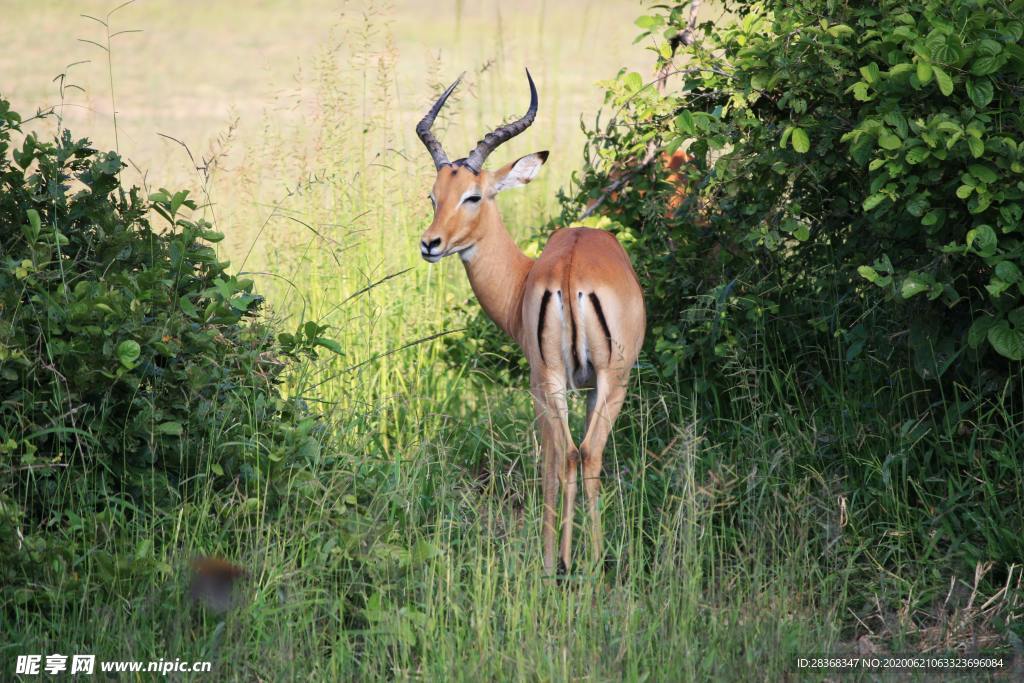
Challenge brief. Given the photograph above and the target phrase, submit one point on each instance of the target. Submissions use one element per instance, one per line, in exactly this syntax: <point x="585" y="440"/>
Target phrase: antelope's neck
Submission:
<point x="497" y="271"/>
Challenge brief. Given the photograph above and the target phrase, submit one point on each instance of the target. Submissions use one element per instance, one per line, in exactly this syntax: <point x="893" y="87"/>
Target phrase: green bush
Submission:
<point x="858" y="176"/>
<point x="850" y="238"/>
<point x="133" y="367"/>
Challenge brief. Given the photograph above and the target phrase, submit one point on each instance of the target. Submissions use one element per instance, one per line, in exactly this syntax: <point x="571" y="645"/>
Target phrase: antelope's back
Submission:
<point x="583" y="307"/>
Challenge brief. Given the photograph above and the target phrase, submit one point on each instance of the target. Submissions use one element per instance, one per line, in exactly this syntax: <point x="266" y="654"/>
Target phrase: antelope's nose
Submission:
<point x="427" y="248"/>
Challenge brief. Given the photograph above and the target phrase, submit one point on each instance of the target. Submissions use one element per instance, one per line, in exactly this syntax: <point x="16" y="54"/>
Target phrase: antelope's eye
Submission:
<point x="472" y="200"/>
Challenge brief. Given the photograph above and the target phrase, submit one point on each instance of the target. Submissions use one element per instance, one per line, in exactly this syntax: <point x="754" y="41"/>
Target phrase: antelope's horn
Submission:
<point x="502" y="134"/>
<point x="423" y="128"/>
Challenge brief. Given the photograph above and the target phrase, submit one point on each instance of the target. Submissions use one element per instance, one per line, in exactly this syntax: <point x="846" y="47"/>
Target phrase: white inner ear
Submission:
<point x="522" y="172"/>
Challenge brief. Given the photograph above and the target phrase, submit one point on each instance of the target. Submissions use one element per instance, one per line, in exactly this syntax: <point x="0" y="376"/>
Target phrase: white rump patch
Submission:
<point x="582" y="372"/>
<point x="565" y="345"/>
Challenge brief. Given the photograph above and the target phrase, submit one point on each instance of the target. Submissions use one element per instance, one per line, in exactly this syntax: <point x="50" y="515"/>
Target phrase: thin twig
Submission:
<point x="622" y="180"/>
<point x="684" y="37"/>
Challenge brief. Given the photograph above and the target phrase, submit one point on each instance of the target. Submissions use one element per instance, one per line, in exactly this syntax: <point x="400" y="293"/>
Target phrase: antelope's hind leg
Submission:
<point x="559" y="464"/>
<point x="603" y="406"/>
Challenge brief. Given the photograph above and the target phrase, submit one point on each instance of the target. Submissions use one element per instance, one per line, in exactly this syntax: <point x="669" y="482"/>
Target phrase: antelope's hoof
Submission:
<point x="563" y="570"/>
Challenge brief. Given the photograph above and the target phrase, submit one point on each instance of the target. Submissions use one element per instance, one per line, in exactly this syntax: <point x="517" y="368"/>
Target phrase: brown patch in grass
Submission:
<point x="966" y="622"/>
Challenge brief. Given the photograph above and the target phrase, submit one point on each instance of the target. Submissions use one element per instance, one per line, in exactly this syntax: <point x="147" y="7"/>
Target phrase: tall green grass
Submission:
<point x="407" y="543"/>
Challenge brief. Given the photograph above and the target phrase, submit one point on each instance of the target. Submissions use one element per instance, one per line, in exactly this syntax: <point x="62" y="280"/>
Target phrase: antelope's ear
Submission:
<point x="519" y="172"/>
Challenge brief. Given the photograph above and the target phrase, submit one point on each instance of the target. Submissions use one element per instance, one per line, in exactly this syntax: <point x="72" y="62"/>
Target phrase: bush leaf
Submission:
<point x="1007" y="341"/>
<point x="943" y="80"/>
<point x="128" y="353"/>
<point x="170" y="428"/>
<point x="801" y="143"/>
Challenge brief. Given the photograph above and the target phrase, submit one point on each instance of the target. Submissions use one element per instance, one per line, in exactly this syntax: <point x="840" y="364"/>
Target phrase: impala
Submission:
<point x="577" y="311"/>
<point x="673" y="165"/>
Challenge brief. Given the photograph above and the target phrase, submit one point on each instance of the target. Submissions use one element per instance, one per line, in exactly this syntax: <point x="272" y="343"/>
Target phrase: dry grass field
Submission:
<point x="195" y="69"/>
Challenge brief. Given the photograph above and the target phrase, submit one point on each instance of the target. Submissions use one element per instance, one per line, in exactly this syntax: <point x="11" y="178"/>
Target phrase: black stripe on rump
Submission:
<point x="604" y="323"/>
<point x="540" y="323"/>
<point x="572" y="322"/>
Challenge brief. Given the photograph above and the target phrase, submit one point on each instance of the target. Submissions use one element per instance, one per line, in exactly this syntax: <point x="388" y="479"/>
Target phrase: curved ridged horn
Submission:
<point x="502" y="134"/>
<point x="423" y="128"/>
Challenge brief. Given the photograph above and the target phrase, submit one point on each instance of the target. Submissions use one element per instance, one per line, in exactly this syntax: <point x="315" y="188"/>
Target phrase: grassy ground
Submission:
<point x="408" y="544"/>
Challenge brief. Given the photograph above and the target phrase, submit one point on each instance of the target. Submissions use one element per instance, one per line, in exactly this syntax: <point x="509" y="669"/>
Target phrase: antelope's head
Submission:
<point x="463" y="192"/>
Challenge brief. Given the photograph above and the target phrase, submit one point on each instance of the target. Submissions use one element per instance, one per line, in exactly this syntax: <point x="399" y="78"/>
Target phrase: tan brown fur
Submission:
<point x="577" y="266"/>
